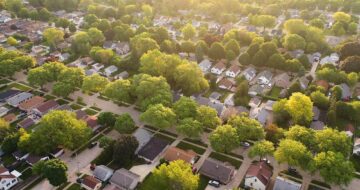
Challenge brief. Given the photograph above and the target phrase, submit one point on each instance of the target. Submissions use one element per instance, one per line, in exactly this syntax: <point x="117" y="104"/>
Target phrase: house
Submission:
<point x="153" y="149"/>
<point x="19" y="156"/>
<point x="350" y="130"/>
<point x="332" y="59"/>
<point x="317" y="125"/>
<point x="143" y="136"/>
<point x="282" y="80"/>
<point x="205" y="65"/>
<point x="225" y="84"/>
<point x="26" y="123"/>
<point x="8" y="179"/>
<point x="316" y="113"/>
<point x="28" y="105"/>
<point x="202" y="100"/>
<point x="45" y="108"/>
<point x="121" y="48"/>
<point x="3" y="111"/>
<point x="19" y="98"/>
<point x="256" y="90"/>
<point x="219" y="107"/>
<point x="258" y="176"/>
<point x="233" y="71"/>
<point x="122" y="75"/>
<point x="218" y="68"/>
<point x="323" y="83"/>
<point x="40" y="50"/>
<point x="282" y="183"/>
<point x="214" y="96"/>
<point x="264" y="77"/>
<point x="174" y="153"/>
<point x="269" y="105"/>
<point x="125" y="179"/>
<point x="10" y="118"/>
<point x="81" y="114"/>
<point x="97" y="67"/>
<point x="229" y="100"/>
<point x="255" y="102"/>
<point x="33" y="159"/>
<point x="249" y="73"/>
<point x="261" y="115"/>
<point x="8" y="94"/>
<point x="296" y="53"/>
<point x="304" y="82"/>
<point x="110" y="70"/>
<point x="356" y="148"/>
<point x="64" y="56"/>
<point x="65" y="107"/>
<point x="91" y="183"/>
<point x="92" y="122"/>
<point x="217" y="170"/>
<point x="346" y="92"/>
<point x="103" y="173"/>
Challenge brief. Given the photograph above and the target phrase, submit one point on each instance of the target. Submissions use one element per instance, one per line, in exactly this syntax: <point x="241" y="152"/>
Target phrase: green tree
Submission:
<point x="81" y="43"/>
<point x="9" y="143"/>
<point x="188" y="31"/>
<point x="12" y="41"/>
<point x="294" y="42"/>
<point x="107" y="119"/>
<point x="63" y="89"/>
<point x="266" y="21"/>
<point x="295" y="26"/>
<point x="102" y="55"/>
<point x="217" y="51"/>
<point x="94" y="83"/>
<point x="4" y="129"/>
<point x="53" y="36"/>
<point x="37" y="76"/>
<point x="176" y="175"/>
<point x="247" y="128"/>
<point x="262" y="149"/>
<point x="245" y="59"/>
<point x="334" y="168"/>
<point x="190" y="128"/>
<point x="351" y="64"/>
<point x="159" y="116"/>
<point x="54" y="170"/>
<point x="294" y="153"/>
<point x="274" y="133"/>
<point x="342" y="17"/>
<point x="259" y="59"/>
<point x="124" y="150"/>
<point x="208" y="117"/>
<point x="119" y="90"/>
<point x="333" y="140"/>
<point x="301" y="134"/>
<point x="233" y="45"/>
<point x="142" y="43"/>
<point x="185" y="107"/>
<point x="320" y="100"/>
<point x="299" y="106"/>
<point x="224" y="139"/>
<point x="96" y="37"/>
<point x="124" y="123"/>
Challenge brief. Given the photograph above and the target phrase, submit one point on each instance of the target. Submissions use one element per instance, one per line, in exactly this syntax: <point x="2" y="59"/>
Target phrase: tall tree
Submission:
<point x="188" y="31"/>
<point x="217" y="51"/>
<point x="124" y="150"/>
<point x="299" y="106"/>
<point x="262" y="149"/>
<point x="294" y="153"/>
<point x="54" y="170"/>
<point x="302" y="134"/>
<point x="159" y="116"/>
<point x="190" y="128"/>
<point x="333" y="140"/>
<point x="119" y="90"/>
<point x="247" y="128"/>
<point x="185" y="107"/>
<point x="94" y="83"/>
<point x="53" y="36"/>
<point x="224" y="139"/>
<point x="124" y="123"/>
<point x="208" y="117"/>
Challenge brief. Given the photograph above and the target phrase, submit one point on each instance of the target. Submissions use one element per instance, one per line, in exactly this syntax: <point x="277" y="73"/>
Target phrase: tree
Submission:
<point x="295" y="26"/>
<point x="293" y="152"/>
<point x="353" y="78"/>
<point x="190" y="128"/>
<point x="274" y="133"/>
<point x="12" y="41"/>
<point x="262" y="149"/>
<point x="96" y="37"/>
<point x="63" y="89"/>
<point x="320" y="100"/>
<point x="159" y="116"/>
<point x="333" y="140"/>
<point x="4" y="129"/>
<point x="208" y="117"/>
<point x="102" y="55"/>
<point x="176" y="175"/>
<point x="247" y="128"/>
<point x="259" y="59"/>
<point x="119" y="90"/>
<point x="217" y="51"/>
<point x="94" y="83"/>
<point x="276" y="61"/>
<point x="269" y="48"/>
<point x="54" y="170"/>
<point x="142" y="43"/>
<point x="301" y="134"/>
<point x="190" y="79"/>
<point x="37" y="76"/>
<point x="351" y="64"/>
<point x="187" y="46"/>
<point x="349" y="49"/>
<point x="233" y="45"/>
<point x="188" y="31"/>
<point x="81" y="43"/>
<point x="9" y="144"/>
<point x="299" y="106"/>
<point x="316" y="22"/>
<point x="294" y="42"/>
<point x="185" y="107"/>
<point x="266" y="21"/>
<point x="338" y="29"/>
<point x="13" y="5"/>
<point x="224" y="139"/>
<point x="342" y="17"/>
<point x="58" y="128"/>
<point x="124" y="150"/>
<point x="334" y="168"/>
<point x="107" y="119"/>
<point x="53" y="36"/>
<point x="124" y="124"/>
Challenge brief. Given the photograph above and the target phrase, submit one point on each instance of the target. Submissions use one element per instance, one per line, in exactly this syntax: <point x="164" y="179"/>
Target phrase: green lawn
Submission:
<point x="275" y="92"/>
<point x="19" y="86"/>
<point x="223" y="158"/>
<point x="62" y="101"/>
<point x="74" y="186"/>
<point x="49" y="97"/>
<point x="150" y="184"/>
<point x="91" y="112"/>
<point x="8" y="159"/>
<point x="75" y="106"/>
<point x="203" y="182"/>
<point x="187" y="146"/>
<point x="95" y="108"/>
<point x="198" y="142"/>
<point x="168" y="133"/>
<point x="26" y="174"/>
<point x="34" y="183"/>
<point x="161" y="136"/>
<point x="321" y="184"/>
<point x="61" y="187"/>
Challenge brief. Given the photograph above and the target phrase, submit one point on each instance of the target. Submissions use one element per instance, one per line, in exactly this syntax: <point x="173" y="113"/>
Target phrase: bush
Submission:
<point x="105" y="157"/>
<point x="124" y="124"/>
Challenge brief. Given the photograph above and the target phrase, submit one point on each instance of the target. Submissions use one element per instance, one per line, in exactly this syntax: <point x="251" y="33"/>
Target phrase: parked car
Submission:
<point x="266" y="160"/>
<point x="214" y="183"/>
<point x="92" y="145"/>
<point x="292" y="170"/>
<point x="79" y="180"/>
<point x="245" y="144"/>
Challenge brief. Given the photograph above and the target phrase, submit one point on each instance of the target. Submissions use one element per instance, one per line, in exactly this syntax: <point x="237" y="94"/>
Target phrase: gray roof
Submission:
<point x="346" y="93"/>
<point x="262" y="116"/>
<point x="143" y="136"/>
<point x="286" y="184"/>
<point x="317" y="125"/>
<point x="202" y="100"/>
<point x="217" y="170"/>
<point x="15" y="100"/>
<point x="103" y="173"/>
<point x="215" y="95"/>
<point x="267" y="74"/>
<point x="316" y="112"/>
<point x="219" y="107"/>
<point x="124" y="178"/>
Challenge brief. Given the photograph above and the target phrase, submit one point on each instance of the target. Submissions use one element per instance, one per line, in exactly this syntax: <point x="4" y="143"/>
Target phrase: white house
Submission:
<point x="356" y="149"/>
<point x="8" y="179"/>
<point x="40" y="50"/>
<point x="205" y="65"/>
<point x="110" y="70"/>
<point x="258" y="176"/>
<point x="19" y="98"/>
<point x="218" y="68"/>
<point x="249" y="73"/>
<point x="233" y="71"/>
<point x="97" y="66"/>
<point x="332" y="59"/>
<point x="264" y="77"/>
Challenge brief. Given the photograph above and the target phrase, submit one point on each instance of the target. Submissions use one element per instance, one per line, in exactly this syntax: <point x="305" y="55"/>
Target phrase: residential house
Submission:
<point x="260" y="114"/>
<point x="215" y="96"/>
<point x="26" y="123"/>
<point x="110" y="70"/>
<point x="205" y="65"/>
<point x="3" y="111"/>
<point x="356" y="148"/>
<point x="40" y="50"/>
<point x="264" y="77"/>
<point x="317" y="125"/>
<point x="28" y="105"/>
<point x="174" y="153"/>
<point x="229" y="100"/>
<point x="202" y="100"/>
<point x="217" y="170"/>
<point x="258" y="176"/>
<point x="18" y="99"/>
<point x="282" y="81"/>
<point x="233" y="71"/>
<point x="143" y="136"/>
<point x="121" y="48"/>
<point x="255" y="102"/>
<point x="81" y="115"/>
<point x="249" y="73"/>
<point x="103" y="173"/>
<point x="8" y="179"/>
<point x="151" y="151"/>
<point x="256" y="90"/>
<point x="91" y="183"/>
<point x="33" y="159"/>
<point x="10" y="118"/>
<point x="92" y="122"/>
<point x="19" y="155"/>
<point x="218" y="106"/>
<point x="8" y="94"/>
<point x="269" y="105"/>
<point x="346" y="92"/>
<point x="45" y="108"/>
<point x="324" y="84"/>
<point x="125" y="179"/>
<point x="218" y="68"/>
<point x="97" y="67"/>
<point x="282" y="183"/>
<point x="332" y="59"/>
<point x="296" y="53"/>
<point x="304" y="82"/>
<point x="350" y="130"/>
<point x="122" y="75"/>
<point x="225" y="84"/>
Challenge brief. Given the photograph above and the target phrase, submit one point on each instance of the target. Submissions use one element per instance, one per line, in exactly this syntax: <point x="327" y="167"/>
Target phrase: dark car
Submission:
<point x="79" y="180"/>
<point x="292" y="170"/>
<point x="214" y="183"/>
<point x="92" y="144"/>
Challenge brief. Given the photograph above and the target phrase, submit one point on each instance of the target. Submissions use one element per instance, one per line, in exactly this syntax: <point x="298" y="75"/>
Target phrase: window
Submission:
<point x="251" y="184"/>
<point x="8" y="184"/>
<point x="255" y="180"/>
<point x="13" y="181"/>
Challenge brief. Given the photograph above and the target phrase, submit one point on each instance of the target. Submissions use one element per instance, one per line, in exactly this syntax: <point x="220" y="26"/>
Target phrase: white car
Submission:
<point x="214" y="183"/>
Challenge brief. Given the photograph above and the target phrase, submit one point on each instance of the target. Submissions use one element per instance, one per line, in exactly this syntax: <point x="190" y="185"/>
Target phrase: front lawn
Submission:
<point x="275" y="92"/>
<point x="26" y="174"/>
<point x="62" y="101"/>
<point x="4" y="81"/>
<point x="161" y="136"/>
<point x="49" y="97"/>
<point x="187" y="146"/>
<point x="223" y="158"/>
<point x="8" y="159"/>
<point x="74" y="186"/>
<point x="203" y="182"/>
<point x="90" y="112"/>
<point x="75" y="106"/>
<point x="19" y="86"/>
